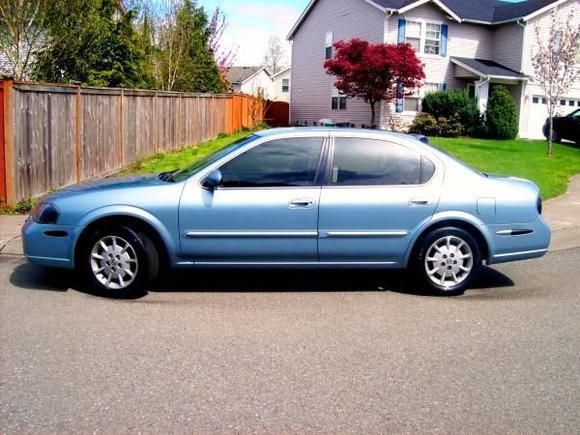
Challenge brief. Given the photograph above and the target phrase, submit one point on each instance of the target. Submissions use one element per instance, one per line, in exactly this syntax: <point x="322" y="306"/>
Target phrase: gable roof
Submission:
<point x="239" y="74"/>
<point x="488" y="12"/>
<point x="487" y="68"/>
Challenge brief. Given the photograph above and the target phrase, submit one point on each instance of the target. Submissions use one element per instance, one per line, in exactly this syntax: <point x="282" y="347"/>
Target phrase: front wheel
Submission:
<point x="449" y="260"/>
<point x="118" y="261"/>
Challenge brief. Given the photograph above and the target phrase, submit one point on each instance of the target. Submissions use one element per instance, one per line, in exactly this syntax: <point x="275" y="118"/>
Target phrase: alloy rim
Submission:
<point x="114" y="262"/>
<point x="449" y="261"/>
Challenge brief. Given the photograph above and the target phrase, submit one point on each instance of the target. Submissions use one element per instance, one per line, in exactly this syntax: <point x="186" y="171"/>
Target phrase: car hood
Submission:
<point x="108" y="184"/>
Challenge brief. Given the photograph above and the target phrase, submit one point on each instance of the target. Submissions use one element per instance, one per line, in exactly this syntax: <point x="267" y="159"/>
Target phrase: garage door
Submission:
<point x="539" y="114"/>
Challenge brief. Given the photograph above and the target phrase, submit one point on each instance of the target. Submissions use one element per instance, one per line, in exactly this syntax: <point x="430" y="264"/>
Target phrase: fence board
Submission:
<point x="2" y="161"/>
<point x="111" y="129"/>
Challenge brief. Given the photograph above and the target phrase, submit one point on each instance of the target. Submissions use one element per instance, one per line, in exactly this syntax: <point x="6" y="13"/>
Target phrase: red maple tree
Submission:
<point x="375" y="72"/>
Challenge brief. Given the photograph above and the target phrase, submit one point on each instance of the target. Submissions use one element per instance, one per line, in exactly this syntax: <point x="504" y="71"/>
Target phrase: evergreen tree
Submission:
<point x="501" y="115"/>
<point x="93" y="42"/>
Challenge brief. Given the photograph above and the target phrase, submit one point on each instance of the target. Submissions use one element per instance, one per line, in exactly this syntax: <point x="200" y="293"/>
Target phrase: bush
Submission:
<point x="426" y="124"/>
<point x="501" y="116"/>
<point x="455" y="104"/>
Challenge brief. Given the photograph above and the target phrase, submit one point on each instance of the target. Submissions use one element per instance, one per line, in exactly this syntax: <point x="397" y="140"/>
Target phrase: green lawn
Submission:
<point x="179" y="159"/>
<point x="520" y="158"/>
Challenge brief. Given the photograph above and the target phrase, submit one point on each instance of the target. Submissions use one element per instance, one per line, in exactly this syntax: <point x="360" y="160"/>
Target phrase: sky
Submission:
<point x="252" y="22"/>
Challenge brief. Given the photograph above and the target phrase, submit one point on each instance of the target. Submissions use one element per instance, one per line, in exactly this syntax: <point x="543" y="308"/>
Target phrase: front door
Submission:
<point x="378" y="192"/>
<point x="265" y="210"/>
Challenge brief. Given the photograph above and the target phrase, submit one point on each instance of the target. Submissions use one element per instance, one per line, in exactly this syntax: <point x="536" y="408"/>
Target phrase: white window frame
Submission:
<point x="286" y="86"/>
<point x="336" y="94"/>
<point x="424" y="23"/>
<point x="328" y="43"/>
<point x="422" y="92"/>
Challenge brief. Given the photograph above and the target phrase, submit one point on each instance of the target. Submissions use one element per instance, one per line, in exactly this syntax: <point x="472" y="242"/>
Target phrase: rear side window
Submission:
<point x="278" y="163"/>
<point x="370" y="162"/>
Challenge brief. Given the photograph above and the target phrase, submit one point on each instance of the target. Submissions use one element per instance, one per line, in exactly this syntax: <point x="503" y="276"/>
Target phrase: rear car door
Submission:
<point x="377" y="194"/>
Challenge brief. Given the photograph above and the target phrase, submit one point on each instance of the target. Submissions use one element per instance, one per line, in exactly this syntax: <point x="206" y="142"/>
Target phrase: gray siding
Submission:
<point x="311" y="86"/>
<point x="508" y="42"/>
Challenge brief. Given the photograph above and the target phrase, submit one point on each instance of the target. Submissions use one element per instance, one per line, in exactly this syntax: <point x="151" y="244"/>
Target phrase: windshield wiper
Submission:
<point x="167" y="176"/>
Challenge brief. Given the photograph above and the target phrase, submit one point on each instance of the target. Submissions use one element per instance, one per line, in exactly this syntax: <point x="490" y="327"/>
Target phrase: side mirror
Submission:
<point x="213" y="180"/>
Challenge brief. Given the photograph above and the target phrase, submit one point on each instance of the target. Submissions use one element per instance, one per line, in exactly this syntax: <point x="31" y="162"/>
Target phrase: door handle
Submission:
<point x="420" y="202"/>
<point x="301" y="203"/>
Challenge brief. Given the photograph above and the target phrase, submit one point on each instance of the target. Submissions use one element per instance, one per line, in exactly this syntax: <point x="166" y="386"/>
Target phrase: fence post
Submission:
<point x="122" y="128"/>
<point x="78" y="134"/>
<point x="9" y="169"/>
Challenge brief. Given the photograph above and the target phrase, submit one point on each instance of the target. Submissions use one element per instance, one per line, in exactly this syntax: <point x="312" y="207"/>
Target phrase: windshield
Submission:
<point x="182" y="174"/>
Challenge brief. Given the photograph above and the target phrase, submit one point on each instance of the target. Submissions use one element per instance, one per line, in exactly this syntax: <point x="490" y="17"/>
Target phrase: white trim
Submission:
<point x="282" y="72"/>
<point x="510" y="254"/>
<point x="254" y="75"/>
<point x="364" y="233"/>
<point x="437" y="3"/>
<point x="544" y="9"/>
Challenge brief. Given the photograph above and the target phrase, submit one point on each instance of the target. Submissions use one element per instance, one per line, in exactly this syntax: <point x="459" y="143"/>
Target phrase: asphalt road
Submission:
<point x="293" y="352"/>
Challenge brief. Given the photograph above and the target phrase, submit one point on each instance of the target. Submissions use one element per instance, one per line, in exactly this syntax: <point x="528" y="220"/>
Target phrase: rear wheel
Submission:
<point x="449" y="260"/>
<point x="118" y="261"/>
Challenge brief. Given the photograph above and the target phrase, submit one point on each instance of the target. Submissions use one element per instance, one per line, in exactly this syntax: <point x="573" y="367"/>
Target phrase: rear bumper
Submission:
<point x="516" y="242"/>
<point x="49" y="245"/>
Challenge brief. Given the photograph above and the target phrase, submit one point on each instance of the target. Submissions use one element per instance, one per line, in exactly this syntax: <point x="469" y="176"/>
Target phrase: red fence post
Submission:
<point x="8" y="186"/>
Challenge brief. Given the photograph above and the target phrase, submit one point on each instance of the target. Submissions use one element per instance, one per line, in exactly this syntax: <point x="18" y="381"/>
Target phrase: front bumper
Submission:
<point x="516" y="242"/>
<point x="49" y="245"/>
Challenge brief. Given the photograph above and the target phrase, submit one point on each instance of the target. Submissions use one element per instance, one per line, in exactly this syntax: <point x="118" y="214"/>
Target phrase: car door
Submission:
<point x="377" y="193"/>
<point x="264" y="211"/>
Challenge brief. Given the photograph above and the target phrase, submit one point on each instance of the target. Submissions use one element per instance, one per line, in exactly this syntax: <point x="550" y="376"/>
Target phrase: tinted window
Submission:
<point x="367" y="162"/>
<point x="279" y="163"/>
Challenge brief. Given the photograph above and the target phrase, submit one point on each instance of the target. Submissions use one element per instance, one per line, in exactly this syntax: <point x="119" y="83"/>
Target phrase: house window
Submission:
<point x="285" y="85"/>
<point x="413" y="34"/>
<point x="329" y="41"/>
<point x="413" y="102"/>
<point x="562" y="102"/>
<point x="338" y="101"/>
<point x="536" y="100"/>
<point x="432" y="38"/>
<point x="571" y="103"/>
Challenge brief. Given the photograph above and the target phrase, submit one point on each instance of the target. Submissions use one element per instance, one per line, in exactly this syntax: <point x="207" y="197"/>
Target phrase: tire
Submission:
<point x="437" y="264"/>
<point x="118" y="261"/>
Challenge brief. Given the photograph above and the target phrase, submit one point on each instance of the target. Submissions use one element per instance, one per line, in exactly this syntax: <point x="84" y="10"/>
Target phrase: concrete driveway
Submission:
<point x="293" y="352"/>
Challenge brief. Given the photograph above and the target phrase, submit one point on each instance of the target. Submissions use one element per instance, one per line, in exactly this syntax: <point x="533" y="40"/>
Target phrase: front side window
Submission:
<point x="285" y="85"/>
<point x="278" y="163"/>
<point x="371" y="162"/>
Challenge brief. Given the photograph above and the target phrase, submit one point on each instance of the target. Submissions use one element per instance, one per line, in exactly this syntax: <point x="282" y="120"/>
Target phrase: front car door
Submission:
<point x="265" y="210"/>
<point x="377" y="193"/>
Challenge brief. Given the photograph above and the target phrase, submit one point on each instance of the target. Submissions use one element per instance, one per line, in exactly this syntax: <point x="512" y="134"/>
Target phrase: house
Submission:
<point x="282" y="85"/>
<point x="464" y="44"/>
<point x="251" y="80"/>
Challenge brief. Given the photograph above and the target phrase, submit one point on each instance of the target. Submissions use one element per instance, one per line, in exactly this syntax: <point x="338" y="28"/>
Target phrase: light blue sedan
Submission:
<point x="299" y="198"/>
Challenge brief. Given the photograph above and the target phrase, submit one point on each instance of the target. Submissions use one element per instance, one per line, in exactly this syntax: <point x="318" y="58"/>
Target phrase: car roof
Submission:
<point x="363" y="132"/>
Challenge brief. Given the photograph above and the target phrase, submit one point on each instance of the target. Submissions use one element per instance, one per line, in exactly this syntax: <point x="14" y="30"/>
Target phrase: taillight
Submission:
<point x="539" y="204"/>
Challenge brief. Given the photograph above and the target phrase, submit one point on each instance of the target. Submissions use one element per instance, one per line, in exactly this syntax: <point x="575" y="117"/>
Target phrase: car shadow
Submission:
<point x="27" y="276"/>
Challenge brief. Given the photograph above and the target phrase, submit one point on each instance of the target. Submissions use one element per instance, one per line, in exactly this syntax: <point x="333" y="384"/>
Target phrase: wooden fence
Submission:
<point x="56" y="135"/>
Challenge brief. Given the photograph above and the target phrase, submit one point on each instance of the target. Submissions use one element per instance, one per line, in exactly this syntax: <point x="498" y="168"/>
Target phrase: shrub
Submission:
<point x="454" y="104"/>
<point x="426" y="124"/>
<point x="501" y="116"/>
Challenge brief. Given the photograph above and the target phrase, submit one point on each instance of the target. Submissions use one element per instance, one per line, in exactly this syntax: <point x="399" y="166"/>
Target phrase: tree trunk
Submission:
<point x="550" y="133"/>
<point x="373" y="115"/>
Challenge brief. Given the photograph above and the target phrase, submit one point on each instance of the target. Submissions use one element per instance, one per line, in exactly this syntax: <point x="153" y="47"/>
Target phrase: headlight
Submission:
<point x="45" y="213"/>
